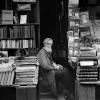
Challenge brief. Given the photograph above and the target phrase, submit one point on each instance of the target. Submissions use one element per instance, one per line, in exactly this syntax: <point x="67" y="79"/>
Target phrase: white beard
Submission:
<point x="48" y="49"/>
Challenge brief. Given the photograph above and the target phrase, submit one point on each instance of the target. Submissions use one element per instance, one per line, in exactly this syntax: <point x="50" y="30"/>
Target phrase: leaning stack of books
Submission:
<point x="7" y="72"/>
<point x="7" y="77"/>
<point x="26" y="71"/>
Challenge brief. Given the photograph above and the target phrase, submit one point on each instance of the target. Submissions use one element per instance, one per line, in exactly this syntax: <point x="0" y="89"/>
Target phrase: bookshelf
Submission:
<point x="16" y="35"/>
<point x="19" y="36"/>
<point x="13" y="35"/>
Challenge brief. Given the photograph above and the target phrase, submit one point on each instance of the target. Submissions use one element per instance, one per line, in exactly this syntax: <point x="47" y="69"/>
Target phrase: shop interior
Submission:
<point x="74" y="26"/>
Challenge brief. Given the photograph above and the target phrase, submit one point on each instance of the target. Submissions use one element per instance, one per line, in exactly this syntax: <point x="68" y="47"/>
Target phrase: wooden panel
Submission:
<point x="84" y="92"/>
<point x="20" y="94"/>
<point x="31" y="94"/>
<point x="26" y="93"/>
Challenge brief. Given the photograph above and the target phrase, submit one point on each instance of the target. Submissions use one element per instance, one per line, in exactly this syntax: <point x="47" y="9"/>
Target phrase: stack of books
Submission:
<point x="87" y="73"/>
<point x="7" y="72"/>
<point x="7" y="77"/>
<point x="26" y="71"/>
<point x="87" y="69"/>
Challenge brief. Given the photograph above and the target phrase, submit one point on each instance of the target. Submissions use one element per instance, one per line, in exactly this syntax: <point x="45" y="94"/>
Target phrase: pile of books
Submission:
<point x="87" y="73"/>
<point x="7" y="72"/>
<point x="7" y="77"/>
<point x="26" y="71"/>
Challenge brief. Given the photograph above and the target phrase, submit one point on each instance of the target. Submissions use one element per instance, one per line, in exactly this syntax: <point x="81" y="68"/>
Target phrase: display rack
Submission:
<point x="73" y="31"/>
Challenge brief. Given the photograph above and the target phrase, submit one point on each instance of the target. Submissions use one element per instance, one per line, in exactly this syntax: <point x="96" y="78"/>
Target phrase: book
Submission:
<point x="87" y="73"/>
<point x="6" y="79"/>
<point x="12" y="77"/>
<point x="87" y="79"/>
<point x="3" y="77"/>
<point x="9" y="77"/>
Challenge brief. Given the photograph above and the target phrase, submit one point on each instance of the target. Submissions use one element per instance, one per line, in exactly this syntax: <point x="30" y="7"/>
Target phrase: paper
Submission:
<point x="86" y="63"/>
<point x="23" y="19"/>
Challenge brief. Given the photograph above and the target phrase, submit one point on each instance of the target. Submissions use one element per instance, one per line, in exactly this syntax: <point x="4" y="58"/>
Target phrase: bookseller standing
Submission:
<point x="52" y="71"/>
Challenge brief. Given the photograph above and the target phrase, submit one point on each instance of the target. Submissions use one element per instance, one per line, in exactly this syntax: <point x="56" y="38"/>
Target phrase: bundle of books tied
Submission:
<point x="26" y="71"/>
<point x="88" y="73"/>
<point x="7" y="71"/>
<point x="87" y="69"/>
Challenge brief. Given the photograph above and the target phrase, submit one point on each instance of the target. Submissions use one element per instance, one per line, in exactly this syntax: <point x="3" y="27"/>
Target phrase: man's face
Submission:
<point x="48" y="46"/>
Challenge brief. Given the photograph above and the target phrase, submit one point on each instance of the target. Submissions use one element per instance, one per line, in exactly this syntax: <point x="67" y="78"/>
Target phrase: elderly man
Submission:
<point x="52" y="70"/>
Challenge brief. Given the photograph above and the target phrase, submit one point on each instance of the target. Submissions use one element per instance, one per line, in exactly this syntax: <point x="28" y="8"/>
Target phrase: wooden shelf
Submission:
<point x="14" y="48"/>
<point x="18" y="86"/>
<point x="30" y="2"/>
<point x="20" y="24"/>
<point x="17" y="38"/>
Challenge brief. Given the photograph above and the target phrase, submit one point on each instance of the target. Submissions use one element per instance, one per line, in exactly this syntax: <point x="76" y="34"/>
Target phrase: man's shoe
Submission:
<point x="68" y="95"/>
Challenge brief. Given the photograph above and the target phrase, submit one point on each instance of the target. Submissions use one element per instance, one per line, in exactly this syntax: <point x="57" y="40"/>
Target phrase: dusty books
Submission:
<point x="87" y="74"/>
<point x="26" y="71"/>
<point x="7" y="76"/>
<point x="87" y="69"/>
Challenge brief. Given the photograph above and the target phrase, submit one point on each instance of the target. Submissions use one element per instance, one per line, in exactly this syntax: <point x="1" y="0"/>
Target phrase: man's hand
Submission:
<point x="56" y="66"/>
<point x="60" y="66"/>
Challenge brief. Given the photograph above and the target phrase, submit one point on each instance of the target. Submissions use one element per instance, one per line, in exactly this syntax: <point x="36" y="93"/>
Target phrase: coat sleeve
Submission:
<point x="43" y="61"/>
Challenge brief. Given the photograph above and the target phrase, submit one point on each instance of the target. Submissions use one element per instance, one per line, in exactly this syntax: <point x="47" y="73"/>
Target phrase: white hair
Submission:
<point x="46" y="40"/>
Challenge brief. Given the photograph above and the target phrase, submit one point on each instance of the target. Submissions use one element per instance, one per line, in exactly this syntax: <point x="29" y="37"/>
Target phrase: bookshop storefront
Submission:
<point x="20" y="42"/>
<point x="84" y="47"/>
